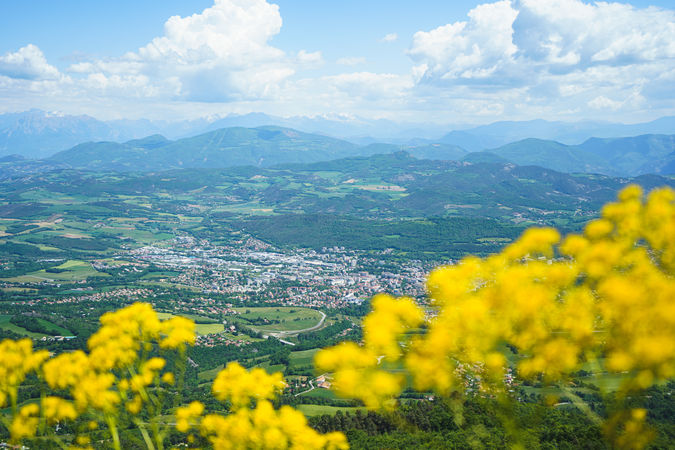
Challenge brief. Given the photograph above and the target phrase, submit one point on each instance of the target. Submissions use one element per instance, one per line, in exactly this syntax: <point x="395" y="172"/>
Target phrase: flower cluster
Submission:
<point x="605" y="296"/>
<point x="356" y="369"/>
<point x="115" y="371"/>
<point x="118" y="377"/>
<point x="17" y="359"/>
<point x="265" y="427"/>
<point x="258" y="427"/>
<point x="238" y="385"/>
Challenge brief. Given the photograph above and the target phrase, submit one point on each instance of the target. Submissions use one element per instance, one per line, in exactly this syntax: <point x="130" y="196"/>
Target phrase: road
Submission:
<point x="282" y="334"/>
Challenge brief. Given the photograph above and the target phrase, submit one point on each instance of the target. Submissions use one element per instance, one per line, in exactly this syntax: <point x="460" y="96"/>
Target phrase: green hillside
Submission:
<point x="628" y="156"/>
<point x="263" y="146"/>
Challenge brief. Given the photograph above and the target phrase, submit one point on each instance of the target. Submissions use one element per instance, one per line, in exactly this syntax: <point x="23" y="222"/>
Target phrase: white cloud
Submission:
<point x="479" y="48"/>
<point x="572" y="34"/>
<point x="351" y="61"/>
<point x="347" y="93"/>
<point x="220" y="54"/>
<point x="391" y="37"/>
<point x="556" y="59"/>
<point x="309" y="59"/>
<point x="369" y="85"/>
<point x="602" y="102"/>
<point x="28" y="63"/>
<point x="525" y="41"/>
<point x="559" y="54"/>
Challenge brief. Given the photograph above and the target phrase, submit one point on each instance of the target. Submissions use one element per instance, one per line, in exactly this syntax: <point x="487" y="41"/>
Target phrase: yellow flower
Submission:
<point x="179" y="331"/>
<point x="611" y="294"/>
<point x="16" y="360"/>
<point x="25" y="423"/>
<point x="117" y="342"/>
<point x="187" y="415"/>
<point x="239" y="386"/>
<point x="57" y="409"/>
<point x="168" y="378"/>
<point x="135" y="404"/>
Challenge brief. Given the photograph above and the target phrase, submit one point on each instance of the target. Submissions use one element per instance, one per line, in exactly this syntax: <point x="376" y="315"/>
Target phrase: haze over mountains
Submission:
<point x="38" y="134"/>
<point x="268" y="146"/>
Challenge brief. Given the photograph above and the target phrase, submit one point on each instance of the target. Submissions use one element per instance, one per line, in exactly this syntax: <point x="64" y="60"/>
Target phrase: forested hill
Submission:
<point x="268" y="146"/>
<point x="226" y="147"/>
<point x="628" y="156"/>
<point x="394" y="186"/>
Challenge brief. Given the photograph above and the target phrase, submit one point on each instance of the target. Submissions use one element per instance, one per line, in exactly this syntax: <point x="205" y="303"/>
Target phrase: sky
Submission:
<point x="424" y="61"/>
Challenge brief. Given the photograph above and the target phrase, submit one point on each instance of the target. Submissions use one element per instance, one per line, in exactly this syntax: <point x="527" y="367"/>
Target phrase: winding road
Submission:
<point x="282" y="334"/>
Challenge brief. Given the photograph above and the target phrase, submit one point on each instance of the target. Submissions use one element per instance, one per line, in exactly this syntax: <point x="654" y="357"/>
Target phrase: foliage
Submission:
<point x="120" y="381"/>
<point x="602" y="299"/>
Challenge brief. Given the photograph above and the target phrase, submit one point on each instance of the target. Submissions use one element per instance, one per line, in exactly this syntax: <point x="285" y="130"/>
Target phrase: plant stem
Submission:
<point x="112" y="426"/>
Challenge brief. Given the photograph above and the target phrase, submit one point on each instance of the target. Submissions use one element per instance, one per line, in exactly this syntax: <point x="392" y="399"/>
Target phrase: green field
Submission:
<point x="200" y="328"/>
<point x="320" y="393"/>
<point x="6" y="325"/>
<point x="71" y="270"/>
<point x="56" y="330"/>
<point x="209" y="375"/>
<point x="272" y="368"/>
<point x="319" y="410"/>
<point x="303" y="358"/>
<point x="289" y="318"/>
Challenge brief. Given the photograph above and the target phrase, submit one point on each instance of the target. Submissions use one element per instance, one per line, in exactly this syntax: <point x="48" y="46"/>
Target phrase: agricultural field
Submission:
<point x="303" y="358"/>
<point x="212" y="327"/>
<point x="319" y="410"/>
<point x="6" y="325"/>
<point x="51" y="328"/>
<point x="69" y="271"/>
<point x="279" y="319"/>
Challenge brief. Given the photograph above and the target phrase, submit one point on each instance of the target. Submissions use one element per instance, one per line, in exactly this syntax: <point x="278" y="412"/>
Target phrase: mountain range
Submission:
<point x="39" y="134"/>
<point x="268" y="146"/>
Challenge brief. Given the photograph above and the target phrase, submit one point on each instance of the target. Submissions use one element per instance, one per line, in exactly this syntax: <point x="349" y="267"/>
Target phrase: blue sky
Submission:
<point x="440" y="61"/>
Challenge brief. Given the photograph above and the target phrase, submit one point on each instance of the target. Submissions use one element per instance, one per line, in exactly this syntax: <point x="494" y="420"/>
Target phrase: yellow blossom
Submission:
<point x="178" y="332"/>
<point x="25" y="423"/>
<point x="610" y="293"/>
<point x="16" y="360"/>
<point x="187" y="415"/>
<point x="239" y="386"/>
<point x="57" y="409"/>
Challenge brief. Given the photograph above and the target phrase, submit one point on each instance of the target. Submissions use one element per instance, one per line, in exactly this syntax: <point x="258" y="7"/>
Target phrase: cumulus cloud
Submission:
<point x="309" y="59"/>
<point x="508" y="59"/>
<point x="479" y="48"/>
<point x="602" y="102"/>
<point x="531" y="37"/>
<point x="220" y="54"/>
<point x="391" y="37"/>
<point x="604" y="55"/>
<point x="28" y="63"/>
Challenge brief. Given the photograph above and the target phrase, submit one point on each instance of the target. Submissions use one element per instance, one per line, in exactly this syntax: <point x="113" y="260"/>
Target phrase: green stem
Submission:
<point x="181" y="366"/>
<point x="144" y="432"/>
<point x="112" y="426"/>
<point x="12" y="397"/>
<point x="157" y="434"/>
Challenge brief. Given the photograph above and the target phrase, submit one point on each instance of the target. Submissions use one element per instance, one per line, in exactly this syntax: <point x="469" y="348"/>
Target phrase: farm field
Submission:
<point x="200" y="328"/>
<point x="69" y="271"/>
<point x="6" y="325"/>
<point x="280" y="318"/>
<point x="303" y="357"/>
<point x="319" y="410"/>
<point x="54" y="329"/>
